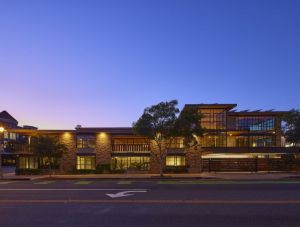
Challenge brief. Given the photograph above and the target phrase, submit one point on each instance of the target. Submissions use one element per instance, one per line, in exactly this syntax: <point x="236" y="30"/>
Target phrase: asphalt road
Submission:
<point x="149" y="203"/>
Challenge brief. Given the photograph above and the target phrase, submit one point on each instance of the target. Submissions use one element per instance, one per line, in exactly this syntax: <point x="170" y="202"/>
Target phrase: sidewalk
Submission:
<point x="212" y="176"/>
<point x="204" y="176"/>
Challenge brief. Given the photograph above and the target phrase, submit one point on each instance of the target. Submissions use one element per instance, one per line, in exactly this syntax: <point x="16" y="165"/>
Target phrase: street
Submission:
<point x="149" y="203"/>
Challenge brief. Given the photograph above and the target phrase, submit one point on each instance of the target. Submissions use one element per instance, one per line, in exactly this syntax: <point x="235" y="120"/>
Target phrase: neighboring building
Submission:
<point x="8" y="122"/>
<point x="233" y="141"/>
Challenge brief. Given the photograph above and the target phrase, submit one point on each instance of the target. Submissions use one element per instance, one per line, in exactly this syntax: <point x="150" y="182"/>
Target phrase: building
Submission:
<point x="233" y="141"/>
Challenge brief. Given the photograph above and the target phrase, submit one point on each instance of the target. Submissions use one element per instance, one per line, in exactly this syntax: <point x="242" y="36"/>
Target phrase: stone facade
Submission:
<point x="103" y="148"/>
<point x="68" y="161"/>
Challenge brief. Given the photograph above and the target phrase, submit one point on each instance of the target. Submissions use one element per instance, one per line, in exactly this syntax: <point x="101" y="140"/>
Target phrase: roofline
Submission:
<point x="212" y="105"/>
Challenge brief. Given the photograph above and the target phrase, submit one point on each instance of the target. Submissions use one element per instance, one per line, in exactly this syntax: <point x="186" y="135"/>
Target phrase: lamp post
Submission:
<point x="1" y="148"/>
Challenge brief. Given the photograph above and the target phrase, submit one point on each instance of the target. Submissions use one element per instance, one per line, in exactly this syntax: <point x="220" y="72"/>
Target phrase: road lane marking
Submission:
<point x="196" y="202"/>
<point x="7" y="182"/>
<point x="44" y="182"/>
<point x="123" y="194"/>
<point x="226" y="182"/>
<point x="83" y="182"/>
<point x="124" y="182"/>
<point x="71" y="189"/>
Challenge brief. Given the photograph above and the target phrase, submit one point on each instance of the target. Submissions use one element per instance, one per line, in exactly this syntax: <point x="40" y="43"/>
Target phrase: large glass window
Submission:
<point x="177" y="143"/>
<point x="214" y="140"/>
<point x="175" y="160"/>
<point x="86" y="141"/>
<point x="257" y="123"/>
<point x="213" y="118"/>
<point x="86" y="162"/>
<point x="137" y="162"/>
<point x="255" y="141"/>
<point x="28" y="162"/>
<point x="262" y="141"/>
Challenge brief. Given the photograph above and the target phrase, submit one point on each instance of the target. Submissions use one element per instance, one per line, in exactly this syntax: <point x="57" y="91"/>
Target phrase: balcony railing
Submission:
<point x="131" y="148"/>
<point x="17" y="148"/>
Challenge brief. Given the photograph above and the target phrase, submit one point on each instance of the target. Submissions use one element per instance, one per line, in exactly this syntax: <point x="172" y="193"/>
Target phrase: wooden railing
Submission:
<point x="131" y="148"/>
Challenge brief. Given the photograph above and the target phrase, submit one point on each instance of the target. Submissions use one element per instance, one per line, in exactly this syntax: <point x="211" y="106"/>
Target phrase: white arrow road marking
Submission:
<point x="123" y="194"/>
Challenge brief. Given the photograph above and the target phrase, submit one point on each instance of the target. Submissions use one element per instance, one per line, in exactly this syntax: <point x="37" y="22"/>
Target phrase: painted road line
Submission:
<point x="7" y="182"/>
<point x="72" y="189"/>
<point x="44" y="182"/>
<point x="124" y="182"/>
<point x="83" y="182"/>
<point x="226" y="182"/>
<point x="175" y="202"/>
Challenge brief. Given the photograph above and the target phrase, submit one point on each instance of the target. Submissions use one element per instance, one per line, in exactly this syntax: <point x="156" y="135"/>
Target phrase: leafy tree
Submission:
<point x="292" y="126"/>
<point x="48" y="148"/>
<point x="162" y="123"/>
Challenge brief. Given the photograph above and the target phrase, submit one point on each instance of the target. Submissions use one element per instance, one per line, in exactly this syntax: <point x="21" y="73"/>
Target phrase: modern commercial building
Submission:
<point x="233" y="141"/>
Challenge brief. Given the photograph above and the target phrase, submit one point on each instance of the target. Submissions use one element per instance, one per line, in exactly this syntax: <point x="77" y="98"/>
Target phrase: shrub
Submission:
<point x="117" y="171"/>
<point x="28" y="171"/>
<point x="84" y="171"/>
<point x="103" y="168"/>
<point x="176" y="169"/>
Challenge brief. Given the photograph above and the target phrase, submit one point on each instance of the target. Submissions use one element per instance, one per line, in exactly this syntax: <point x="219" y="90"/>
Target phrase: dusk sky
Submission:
<point x="100" y="63"/>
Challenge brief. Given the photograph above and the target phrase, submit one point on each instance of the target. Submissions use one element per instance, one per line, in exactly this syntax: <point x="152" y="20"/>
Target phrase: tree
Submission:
<point x="162" y="123"/>
<point x="47" y="148"/>
<point x="292" y="127"/>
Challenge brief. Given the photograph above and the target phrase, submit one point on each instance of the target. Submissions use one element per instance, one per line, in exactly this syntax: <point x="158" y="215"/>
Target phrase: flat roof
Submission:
<point x="227" y="106"/>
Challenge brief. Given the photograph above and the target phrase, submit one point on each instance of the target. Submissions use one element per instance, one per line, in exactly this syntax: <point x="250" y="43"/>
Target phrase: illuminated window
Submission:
<point x="86" y="162"/>
<point x="175" y="160"/>
<point x="86" y="141"/>
<point x="28" y="162"/>
<point x="138" y="162"/>
<point x="213" y="118"/>
<point x="255" y="123"/>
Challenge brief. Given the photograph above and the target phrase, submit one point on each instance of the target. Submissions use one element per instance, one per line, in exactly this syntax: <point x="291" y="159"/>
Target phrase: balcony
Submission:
<point x="131" y="148"/>
<point x="15" y="148"/>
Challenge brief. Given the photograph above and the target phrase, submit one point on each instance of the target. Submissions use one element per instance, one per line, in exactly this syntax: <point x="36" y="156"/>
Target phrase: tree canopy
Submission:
<point x="163" y="123"/>
<point x="292" y="126"/>
<point x="47" y="147"/>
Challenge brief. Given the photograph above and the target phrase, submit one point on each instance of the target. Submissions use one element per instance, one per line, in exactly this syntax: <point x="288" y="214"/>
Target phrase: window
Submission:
<point x="262" y="141"/>
<point x="86" y="162"/>
<point x="28" y="162"/>
<point x="86" y="141"/>
<point x="255" y="141"/>
<point x="213" y="118"/>
<point x="214" y="140"/>
<point x="177" y="143"/>
<point x="175" y="160"/>
<point x="257" y="123"/>
<point x="139" y="162"/>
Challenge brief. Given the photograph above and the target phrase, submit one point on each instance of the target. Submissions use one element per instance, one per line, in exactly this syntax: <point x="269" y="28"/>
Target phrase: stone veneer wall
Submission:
<point x="103" y="148"/>
<point x="278" y="131"/>
<point x="68" y="161"/>
<point x="193" y="160"/>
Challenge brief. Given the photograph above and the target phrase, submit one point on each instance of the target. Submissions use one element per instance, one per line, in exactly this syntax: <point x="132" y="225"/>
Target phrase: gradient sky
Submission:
<point x="100" y="63"/>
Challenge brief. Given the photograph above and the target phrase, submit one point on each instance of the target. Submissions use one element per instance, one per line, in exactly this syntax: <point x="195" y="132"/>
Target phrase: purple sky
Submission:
<point x="100" y="63"/>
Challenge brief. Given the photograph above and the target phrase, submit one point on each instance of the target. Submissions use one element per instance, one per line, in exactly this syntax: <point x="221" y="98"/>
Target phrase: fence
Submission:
<point x="250" y="165"/>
